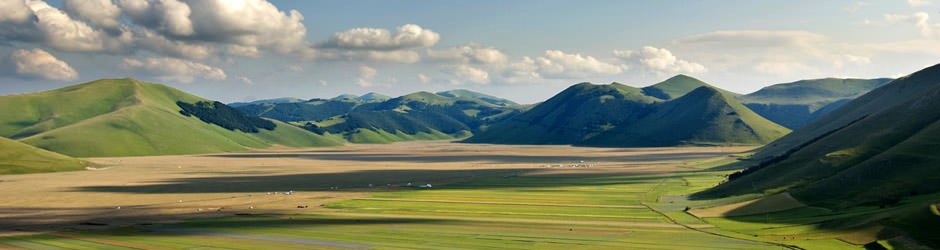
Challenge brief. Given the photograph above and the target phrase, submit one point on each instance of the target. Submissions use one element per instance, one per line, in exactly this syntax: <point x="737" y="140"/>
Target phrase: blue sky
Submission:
<point x="522" y="50"/>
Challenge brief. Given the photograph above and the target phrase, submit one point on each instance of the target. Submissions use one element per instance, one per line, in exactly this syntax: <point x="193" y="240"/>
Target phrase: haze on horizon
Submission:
<point x="244" y="50"/>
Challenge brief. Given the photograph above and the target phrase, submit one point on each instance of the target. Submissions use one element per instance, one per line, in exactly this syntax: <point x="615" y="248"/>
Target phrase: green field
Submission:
<point x="641" y="211"/>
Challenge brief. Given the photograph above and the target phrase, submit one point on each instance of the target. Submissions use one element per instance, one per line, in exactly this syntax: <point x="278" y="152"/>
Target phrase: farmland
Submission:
<point x="483" y="196"/>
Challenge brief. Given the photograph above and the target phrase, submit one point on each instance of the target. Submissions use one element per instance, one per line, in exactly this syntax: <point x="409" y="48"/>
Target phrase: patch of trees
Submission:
<point x="224" y="116"/>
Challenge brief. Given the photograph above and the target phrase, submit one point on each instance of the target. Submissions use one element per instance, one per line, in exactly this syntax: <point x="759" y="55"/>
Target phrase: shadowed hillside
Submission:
<point x="795" y="104"/>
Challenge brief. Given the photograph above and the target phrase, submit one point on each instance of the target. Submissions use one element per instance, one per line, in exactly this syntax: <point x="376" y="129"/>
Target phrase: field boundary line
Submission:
<point x="106" y="241"/>
<point x="507" y="203"/>
<point x="511" y="220"/>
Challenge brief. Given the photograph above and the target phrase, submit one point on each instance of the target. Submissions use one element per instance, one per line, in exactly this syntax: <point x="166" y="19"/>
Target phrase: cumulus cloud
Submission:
<point x="162" y="45"/>
<point x="366" y="74"/>
<point x="173" y="69"/>
<point x="660" y="60"/>
<point x="465" y="73"/>
<point x="423" y="78"/>
<point x="245" y="51"/>
<point x="407" y="36"/>
<point x="40" y="64"/>
<point x="560" y="64"/>
<point x="470" y="53"/>
<point x="920" y="20"/>
<point x="246" y="80"/>
<point x="49" y="26"/>
<point x="401" y="56"/>
<point x="100" y="13"/>
<point x="919" y="3"/>
<point x="856" y="6"/>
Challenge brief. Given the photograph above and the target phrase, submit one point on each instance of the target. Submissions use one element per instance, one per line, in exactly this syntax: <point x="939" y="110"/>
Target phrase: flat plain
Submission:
<point x="358" y="196"/>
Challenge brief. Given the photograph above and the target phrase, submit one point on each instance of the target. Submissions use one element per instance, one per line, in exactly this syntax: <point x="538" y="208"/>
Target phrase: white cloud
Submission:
<point x="245" y="51"/>
<point x="660" y="60"/>
<point x="100" y="13"/>
<point x="246" y="80"/>
<point x="470" y="74"/>
<point x="49" y="26"/>
<point x="919" y="3"/>
<point x="401" y="56"/>
<point x="160" y="44"/>
<point x="172" y="69"/>
<point x="557" y="63"/>
<point x="920" y="20"/>
<point x="39" y="63"/>
<point x="296" y="68"/>
<point x="407" y="36"/>
<point x="470" y="53"/>
<point x="423" y="78"/>
<point x="366" y="74"/>
<point x="169" y="17"/>
<point x="856" y="6"/>
<point x="842" y="60"/>
<point x="322" y="83"/>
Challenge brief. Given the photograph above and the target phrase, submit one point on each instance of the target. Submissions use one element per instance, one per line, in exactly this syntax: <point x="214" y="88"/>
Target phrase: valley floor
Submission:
<point x="357" y="196"/>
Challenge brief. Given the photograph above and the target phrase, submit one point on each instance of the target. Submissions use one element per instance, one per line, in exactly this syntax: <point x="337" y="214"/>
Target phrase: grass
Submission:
<point x="19" y="158"/>
<point x="124" y="117"/>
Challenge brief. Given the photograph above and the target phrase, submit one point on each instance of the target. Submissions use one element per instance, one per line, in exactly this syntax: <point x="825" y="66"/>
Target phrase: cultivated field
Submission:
<point x="483" y="196"/>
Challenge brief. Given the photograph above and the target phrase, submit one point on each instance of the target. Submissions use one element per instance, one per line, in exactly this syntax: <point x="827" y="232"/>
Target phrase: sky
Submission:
<point x="526" y="51"/>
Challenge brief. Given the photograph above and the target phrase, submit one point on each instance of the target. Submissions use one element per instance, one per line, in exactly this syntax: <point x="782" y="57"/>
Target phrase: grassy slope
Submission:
<point x="872" y="102"/>
<point x="477" y="95"/>
<point x="703" y="116"/>
<point x="620" y="115"/>
<point x="150" y="125"/>
<point x="677" y="86"/>
<point x="373" y="97"/>
<point x="795" y="104"/>
<point x="576" y="113"/>
<point x="19" y="158"/>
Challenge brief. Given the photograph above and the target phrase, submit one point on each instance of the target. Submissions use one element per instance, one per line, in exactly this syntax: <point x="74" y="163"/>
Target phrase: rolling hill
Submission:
<point x="620" y="115"/>
<point x="457" y="93"/>
<point x="19" y="158"/>
<point x="874" y="149"/>
<point x="795" y="104"/>
<point x="416" y="116"/>
<point x="124" y="117"/>
<point x="275" y="100"/>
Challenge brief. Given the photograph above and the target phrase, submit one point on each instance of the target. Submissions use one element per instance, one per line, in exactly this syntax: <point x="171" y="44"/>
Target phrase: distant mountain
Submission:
<point x="677" y="86"/>
<point x="477" y="95"/>
<point x="345" y="96"/>
<point x="19" y="158"/>
<point x="880" y="150"/>
<point x="373" y="97"/>
<point x="416" y="116"/>
<point x="124" y="117"/>
<point x="795" y="104"/>
<point x="275" y="100"/>
<point x="620" y="115"/>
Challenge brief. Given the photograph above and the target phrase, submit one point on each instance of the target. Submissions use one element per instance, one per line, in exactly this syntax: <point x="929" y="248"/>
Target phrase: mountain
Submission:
<point x="456" y="93"/>
<point x="880" y="151"/>
<point x="124" y="117"/>
<point x="373" y="97"/>
<point x="345" y="96"/>
<point x="705" y="116"/>
<point x="19" y="158"/>
<point x="620" y="115"/>
<point x="677" y="86"/>
<point x="275" y="100"/>
<point x="416" y="116"/>
<point x="795" y="104"/>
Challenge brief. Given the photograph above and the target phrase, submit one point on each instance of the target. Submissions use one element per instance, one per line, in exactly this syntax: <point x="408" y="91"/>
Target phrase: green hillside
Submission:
<point x="795" y="104"/>
<point x="677" y="86"/>
<point x="416" y="116"/>
<point x="880" y="151"/>
<point x="577" y="113"/>
<point x="620" y="115"/>
<point x="123" y="117"/>
<point x="704" y="116"/>
<point x="373" y="97"/>
<point x="275" y="100"/>
<point x="456" y="93"/>
<point x="876" y="100"/>
<point x="19" y="158"/>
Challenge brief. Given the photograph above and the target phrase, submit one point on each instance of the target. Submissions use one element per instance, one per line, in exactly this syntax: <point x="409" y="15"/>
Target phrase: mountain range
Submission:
<point x="679" y="111"/>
